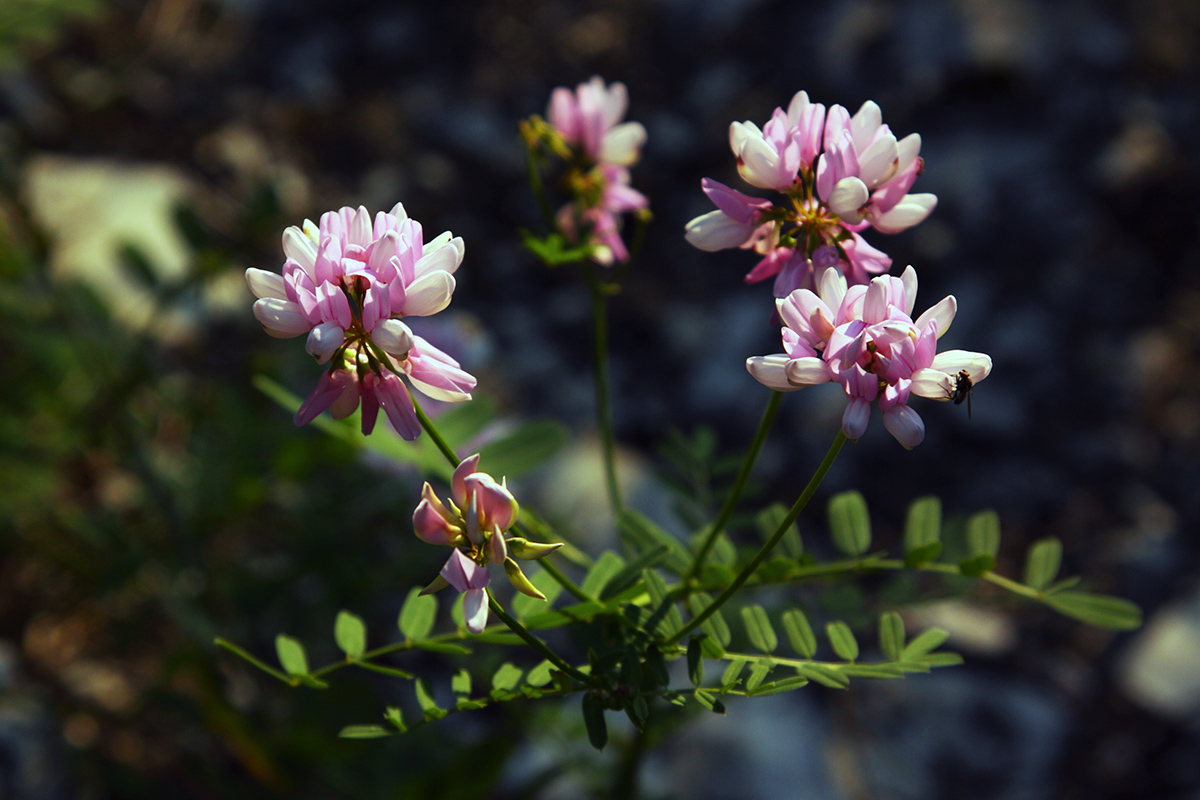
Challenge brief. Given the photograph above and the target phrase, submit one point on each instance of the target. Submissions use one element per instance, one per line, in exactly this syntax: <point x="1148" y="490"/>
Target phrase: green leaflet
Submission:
<point x="849" y="523"/>
<point x="350" y="633"/>
<point x="417" y="614"/>
<point x="842" y="639"/>
<point x="799" y="633"/>
<point x="1041" y="566"/>
<point x="758" y="628"/>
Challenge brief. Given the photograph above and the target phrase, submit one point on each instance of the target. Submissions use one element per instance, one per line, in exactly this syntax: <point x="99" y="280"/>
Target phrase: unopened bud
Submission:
<point x="523" y="548"/>
<point x="438" y="584"/>
<point x="519" y="581"/>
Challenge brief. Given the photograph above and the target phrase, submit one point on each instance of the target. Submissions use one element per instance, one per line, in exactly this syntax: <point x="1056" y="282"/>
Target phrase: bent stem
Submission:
<point x="536" y="643"/>
<point x="739" y="485"/>
<point x="437" y="438"/>
<point x="603" y="401"/>
<point x="762" y="554"/>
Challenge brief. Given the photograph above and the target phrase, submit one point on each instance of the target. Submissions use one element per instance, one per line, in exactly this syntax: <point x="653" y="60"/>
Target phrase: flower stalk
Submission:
<point x="739" y="485"/>
<point x="603" y="390"/>
<point x="743" y="576"/>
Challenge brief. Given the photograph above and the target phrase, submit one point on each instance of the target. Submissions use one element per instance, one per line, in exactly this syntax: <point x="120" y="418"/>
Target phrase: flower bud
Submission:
<point x="437" y="585"/>
<point x="519" y="581"/>
<point x="523" y="548"/>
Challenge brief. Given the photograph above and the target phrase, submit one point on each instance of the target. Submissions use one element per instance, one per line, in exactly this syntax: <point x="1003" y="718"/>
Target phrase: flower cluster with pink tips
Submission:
<point x="473" y="521"/>
<point x="347" y="283"/>
<point x="841" y="174"/>
<point x="865" y="339"/>
<point x="585" y="127"/>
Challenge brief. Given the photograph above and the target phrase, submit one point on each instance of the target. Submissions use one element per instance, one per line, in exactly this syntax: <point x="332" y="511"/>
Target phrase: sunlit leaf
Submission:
<point x="364" y="732"/>
<point x="842" y="639"/>
<point x="1103" y="611"/>
<point x="799" y="632"/>
<point x="291" y="655"/>
<point x="417" y="614"/>
<point x="719" y="635"/>
<point x="350" y="633"/>
<point x="758" y="628"/>
<point x="923" y="531"/>
<point x="925" y="642"/>
<point x="539" y="675"/>
<point x="1041" y="566"/>
<point x="429" y="708"/>
<point x="983" y="534"/>
<point x="757" y="674"/>
<point x="891" y="635"/>
<point x="849" y="523"/>
<point x="602" y="572"/>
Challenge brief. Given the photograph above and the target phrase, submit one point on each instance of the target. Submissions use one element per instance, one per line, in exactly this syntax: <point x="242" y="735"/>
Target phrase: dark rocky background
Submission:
<point x="151" y="499"/>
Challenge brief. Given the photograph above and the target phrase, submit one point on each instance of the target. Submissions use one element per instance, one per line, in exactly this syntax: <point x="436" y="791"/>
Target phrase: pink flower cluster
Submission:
<point x="473" y="522"/>
<point x="841" y="175"/>
<point x="347" y="283"/>
<point x="864" y="338"/>
<point x="589" y="122"/>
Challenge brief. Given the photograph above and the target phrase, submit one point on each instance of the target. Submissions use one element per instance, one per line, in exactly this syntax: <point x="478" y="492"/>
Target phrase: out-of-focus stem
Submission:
<point x="603" y="400"/>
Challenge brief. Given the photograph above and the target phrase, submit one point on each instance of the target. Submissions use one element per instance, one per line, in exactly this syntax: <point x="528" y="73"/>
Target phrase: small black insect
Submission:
<point x="962" y="390"/>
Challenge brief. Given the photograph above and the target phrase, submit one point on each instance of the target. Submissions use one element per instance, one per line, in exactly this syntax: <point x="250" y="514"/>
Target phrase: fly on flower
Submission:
<point x="348" y="283"/>
<point x="864" y="338"/>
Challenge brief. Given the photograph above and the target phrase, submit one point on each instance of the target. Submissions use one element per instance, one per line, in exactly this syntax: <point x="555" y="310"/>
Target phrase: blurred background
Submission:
<point x="151" y="498"/>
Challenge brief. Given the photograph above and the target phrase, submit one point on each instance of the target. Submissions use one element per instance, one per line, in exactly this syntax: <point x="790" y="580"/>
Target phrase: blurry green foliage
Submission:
<point x="37" y="23"/>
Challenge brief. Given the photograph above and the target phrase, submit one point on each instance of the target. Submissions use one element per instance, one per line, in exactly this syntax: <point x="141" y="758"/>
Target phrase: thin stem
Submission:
<point x="603" y="401"/>
<point x="1013" y="586"/>
<point x="536" y="643"/>
<point x="626" y="784"/>
<point x="441" y="443"/>
<point x="566" y="582"/>
<point x="539" y="189"/>
<point x="739" y="485"/>
<point x="239" y="651"/>
<point x="762" y="554"/>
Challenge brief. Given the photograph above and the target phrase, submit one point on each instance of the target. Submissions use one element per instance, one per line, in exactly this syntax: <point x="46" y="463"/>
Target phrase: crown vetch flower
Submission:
<point x="864" y="338"/>
<point x="585" y="128"/>
<point x="474" y="522"/>
<point x="590" y="118"/>
<point x="840" y="173"/>
<point x="347" y="283"/>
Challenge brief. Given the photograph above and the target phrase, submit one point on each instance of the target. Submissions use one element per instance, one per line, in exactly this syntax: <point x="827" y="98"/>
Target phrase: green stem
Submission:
<point x="536" y="643"/>
<point x="241" y="652"/>
<point x="1013" y="586"/>
<point x="430" y="429"/>
<point x="603" y="401"/>
<point x="739" y="485"/>
<point x="539" y="189"/>
<point x="762" y="554"/>
<point x="566" y="582"/>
